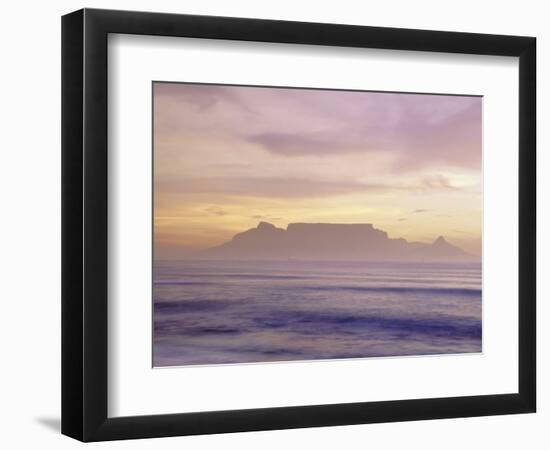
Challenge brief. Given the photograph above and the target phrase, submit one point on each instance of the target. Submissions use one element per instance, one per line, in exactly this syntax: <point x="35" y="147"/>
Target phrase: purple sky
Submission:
<point x="227" y="155"/>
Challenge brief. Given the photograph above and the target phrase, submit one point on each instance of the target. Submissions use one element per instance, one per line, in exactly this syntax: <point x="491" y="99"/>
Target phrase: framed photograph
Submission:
<point x="272" y="224"/>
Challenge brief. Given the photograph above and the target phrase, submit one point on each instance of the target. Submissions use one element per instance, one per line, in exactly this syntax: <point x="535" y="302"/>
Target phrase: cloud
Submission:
<point x="437" y="181"/>
<point x="419" y="211"/>
<point x="417" y="130"/>
<point x="200" y="96"/>
<point x="299" y="144"/>
<point x="286" y="187"/>
<point x="267" y="217"/>
<point x="216" y="211"/>
<point x="283" y="187"/>
<point x="453" y="141"/>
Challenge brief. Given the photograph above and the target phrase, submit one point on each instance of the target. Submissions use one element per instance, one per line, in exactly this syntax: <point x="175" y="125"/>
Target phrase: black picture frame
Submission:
<point x="84" y="224"/>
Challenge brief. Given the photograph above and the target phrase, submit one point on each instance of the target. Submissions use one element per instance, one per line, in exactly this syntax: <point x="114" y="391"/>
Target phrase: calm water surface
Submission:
<point x="208" y="312"/>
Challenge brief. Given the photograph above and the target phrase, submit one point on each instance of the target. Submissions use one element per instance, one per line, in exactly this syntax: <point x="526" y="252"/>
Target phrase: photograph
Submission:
<point x="299" y="224"/>
<point x="251" y="225"/>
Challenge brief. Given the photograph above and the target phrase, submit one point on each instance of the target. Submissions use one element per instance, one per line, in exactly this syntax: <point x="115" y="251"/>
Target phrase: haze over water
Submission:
<point x="218" y="312"/>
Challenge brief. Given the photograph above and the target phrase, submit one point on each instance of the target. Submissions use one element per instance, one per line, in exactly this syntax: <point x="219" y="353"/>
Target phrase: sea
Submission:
<point x="234" y="312"/>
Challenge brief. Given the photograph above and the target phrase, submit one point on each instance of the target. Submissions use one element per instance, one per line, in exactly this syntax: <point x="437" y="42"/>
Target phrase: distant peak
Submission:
<point x="265" y="226"/>
<point x="331" y="241"/>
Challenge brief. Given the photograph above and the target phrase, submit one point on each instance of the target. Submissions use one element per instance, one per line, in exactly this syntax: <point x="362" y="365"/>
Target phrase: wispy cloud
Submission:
<point x="216" y="211"/>
<point x="295" y="144"/>
<point x="418" y="130"/>
<point x="286" y="187"/>
<point x="266" y="217"/>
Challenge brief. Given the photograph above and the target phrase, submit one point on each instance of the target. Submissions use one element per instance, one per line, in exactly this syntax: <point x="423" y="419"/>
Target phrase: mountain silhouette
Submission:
<point x="330" y="241"/>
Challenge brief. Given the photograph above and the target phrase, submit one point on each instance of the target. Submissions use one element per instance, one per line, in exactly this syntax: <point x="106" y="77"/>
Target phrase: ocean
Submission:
<point x="227" y="312"/>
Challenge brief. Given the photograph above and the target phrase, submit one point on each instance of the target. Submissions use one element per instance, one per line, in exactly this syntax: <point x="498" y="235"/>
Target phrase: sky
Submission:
<point x="228" y="157"/>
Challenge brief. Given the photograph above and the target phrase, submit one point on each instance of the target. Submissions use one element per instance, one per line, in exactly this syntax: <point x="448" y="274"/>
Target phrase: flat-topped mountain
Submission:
<point x="331" y="241"/>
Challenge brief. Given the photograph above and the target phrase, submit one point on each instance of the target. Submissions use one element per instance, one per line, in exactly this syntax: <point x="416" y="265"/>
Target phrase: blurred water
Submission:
<point x="216" y="312"/>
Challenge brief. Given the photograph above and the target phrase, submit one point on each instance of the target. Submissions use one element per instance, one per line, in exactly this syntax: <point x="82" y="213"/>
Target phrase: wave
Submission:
<point x="171" y="307"/>
<point x="458" y="291"/>
<point x="335" y="323"/>
<point x="397" y="290"/>
<point x="320" y="276"/>
<point x="182" y="283"/>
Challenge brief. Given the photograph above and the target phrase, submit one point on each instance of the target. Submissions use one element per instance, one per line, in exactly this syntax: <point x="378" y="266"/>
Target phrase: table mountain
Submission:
<point x="331" y="241"/>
